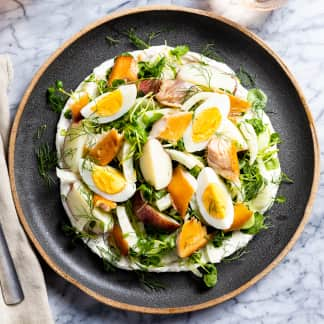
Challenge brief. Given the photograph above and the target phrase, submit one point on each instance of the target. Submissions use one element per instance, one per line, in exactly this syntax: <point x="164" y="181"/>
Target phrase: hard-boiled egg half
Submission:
<point x="208" y="118"/>
<point x="214" y="201"/>
<point x="111" y="105"/>
<point x="106" y="181"/>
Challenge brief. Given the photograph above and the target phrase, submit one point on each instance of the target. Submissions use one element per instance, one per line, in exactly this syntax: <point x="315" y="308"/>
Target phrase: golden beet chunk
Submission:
<point x="106" y="149"/>
<point x="192" y="237"/>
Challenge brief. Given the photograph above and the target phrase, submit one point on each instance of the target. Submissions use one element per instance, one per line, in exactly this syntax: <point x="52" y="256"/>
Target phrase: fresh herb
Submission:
<point x="257" y="124"/>
<point x="149" y="121"/>
<point x="151" y="69"/>
<point x="179" y="51"/>
<point x="219" y="238"/>
<point x="40" y="132"/>
<point x="149" y="194"/>
<point x="251" y="178"/>
<point x="136" y="40"/>
<point x="284" y="178"/>
<point x="112" y="41"/>
<point x="280" y="199"/>
<point x="257" y="98"/>
<point x="152" y="35"/>
<point x="195" y="171"/>
<point x="259" y="225"/>
<point x="210" y="275"/>
<point x="102" y="86"/>
<point x="75" y="234"/>
<point x="274" y="139"/>
<point x="236" y="255"/>
<point x="149" y="281"/>
<point x="179" y="145"/>
<point x="247" y="80"/>
<point x="208" y="270"/>
<point x="68" y="114"/>
<point x="46" y="161"/>
<point x="272" y="163"/>
<point x="57" y="96"/>
<point x="209" y="51"/>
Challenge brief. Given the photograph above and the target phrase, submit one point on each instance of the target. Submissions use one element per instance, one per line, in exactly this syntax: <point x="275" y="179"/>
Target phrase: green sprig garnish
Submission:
<point x="210" y="51"/>
<point x="247" y="80"/>
<point x="112" y="41"/>
<point x="46" y="161"/>
<point x="57" y="96"/>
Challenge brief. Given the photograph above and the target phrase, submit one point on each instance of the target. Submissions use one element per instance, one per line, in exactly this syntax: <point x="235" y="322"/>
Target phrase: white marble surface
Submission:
<point x="30" y="30"/>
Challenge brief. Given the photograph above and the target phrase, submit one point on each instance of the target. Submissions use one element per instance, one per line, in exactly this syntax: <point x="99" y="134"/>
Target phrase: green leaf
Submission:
<point x="258" y="225"/>
<point x="280" y="199"/>
<point x="220" y="237"/>
<point x="257" y="98"/>
<point x="210" y="276"/>
<point x="257" y="124"/>
<point x="57" y="96"/>
<point x="251" y="178"/>
<point x="151" y="69"/>
<point x="274" y="139"/>
<point x="272" y="164"/>
<point x="149" y="121"/>
<point x="68" y="114"/>
<point x="247" y="80"/>
<point x="179" y="51"/>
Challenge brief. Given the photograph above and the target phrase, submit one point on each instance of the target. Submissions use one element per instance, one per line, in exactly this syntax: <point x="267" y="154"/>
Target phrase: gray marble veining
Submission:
<point x="30" y="30"/>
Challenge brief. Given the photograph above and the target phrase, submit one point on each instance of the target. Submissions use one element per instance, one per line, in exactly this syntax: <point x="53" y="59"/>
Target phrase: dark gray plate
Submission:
<point x="40" y="208"/>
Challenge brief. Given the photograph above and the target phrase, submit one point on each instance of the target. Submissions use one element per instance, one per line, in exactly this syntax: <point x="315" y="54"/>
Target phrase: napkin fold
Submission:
<point x="239" y="12"/>
<point x="35" y="307"/>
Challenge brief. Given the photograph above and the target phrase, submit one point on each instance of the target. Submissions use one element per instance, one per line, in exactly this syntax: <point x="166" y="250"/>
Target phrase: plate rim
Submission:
<point x="145" y="309"/>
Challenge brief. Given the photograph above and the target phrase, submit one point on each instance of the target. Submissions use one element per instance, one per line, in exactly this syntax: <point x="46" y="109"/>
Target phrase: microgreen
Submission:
<point x="57" y="96"/>
<point x="151" y="69"/>
<point x="257" y="98"/>
<point x="259" y="225"/>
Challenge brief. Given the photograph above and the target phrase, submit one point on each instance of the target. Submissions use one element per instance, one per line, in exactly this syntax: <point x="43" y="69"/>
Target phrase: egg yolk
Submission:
<point x="214" y="201"/>
<point x="109" y="104"/>
<point x="108" y="180"/>
<point x="205" y="124"/>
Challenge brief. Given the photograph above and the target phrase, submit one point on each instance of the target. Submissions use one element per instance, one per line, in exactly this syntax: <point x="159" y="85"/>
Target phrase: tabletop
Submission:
<point x="30" y="30"/>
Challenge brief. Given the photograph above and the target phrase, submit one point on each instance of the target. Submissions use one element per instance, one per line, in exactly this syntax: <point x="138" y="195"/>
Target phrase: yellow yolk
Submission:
<point x="175" y="126"/>
<point x="214" y="201"/>
<point x="108" y="180"/>
<point x="205" y="124"/>
<point x="109" y="105"/>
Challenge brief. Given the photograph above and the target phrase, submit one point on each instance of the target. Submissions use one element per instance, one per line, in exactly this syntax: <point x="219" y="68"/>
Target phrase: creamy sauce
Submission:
<point x="171" y="262"/>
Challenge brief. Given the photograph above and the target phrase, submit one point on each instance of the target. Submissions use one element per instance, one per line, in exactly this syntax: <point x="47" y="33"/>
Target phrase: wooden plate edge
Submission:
<point x="144" y="309"/>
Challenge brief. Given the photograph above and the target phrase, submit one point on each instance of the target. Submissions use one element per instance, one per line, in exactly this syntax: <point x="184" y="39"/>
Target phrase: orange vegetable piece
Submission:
<point x="125" y="68"/>
<point x="119" y="240"/>
<point x="238" y="106"/>
<point x="76" y="107"/>
<point x="180" y="190"/>
<point x="192" y="237"/>
<point x="241" y="215"/>
<point x="104" y="151"/>
<point x="103" y="203"/>
<point x="175" y="126"/>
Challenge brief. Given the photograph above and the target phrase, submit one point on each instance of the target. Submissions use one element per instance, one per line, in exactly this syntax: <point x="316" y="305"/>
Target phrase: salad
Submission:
<point x="166" y="162"/>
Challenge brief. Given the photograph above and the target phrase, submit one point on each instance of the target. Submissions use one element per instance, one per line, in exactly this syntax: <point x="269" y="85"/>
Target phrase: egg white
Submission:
<point x="206" y="177"/>
<point x="216" y="100"/>
<point x="128" y="93"/>
<point x="85" y="167"/>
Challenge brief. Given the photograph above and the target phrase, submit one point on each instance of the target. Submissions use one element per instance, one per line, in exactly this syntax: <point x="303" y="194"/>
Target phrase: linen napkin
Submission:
<point x="35" y="308"/>
<point x="239" y="12"/>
